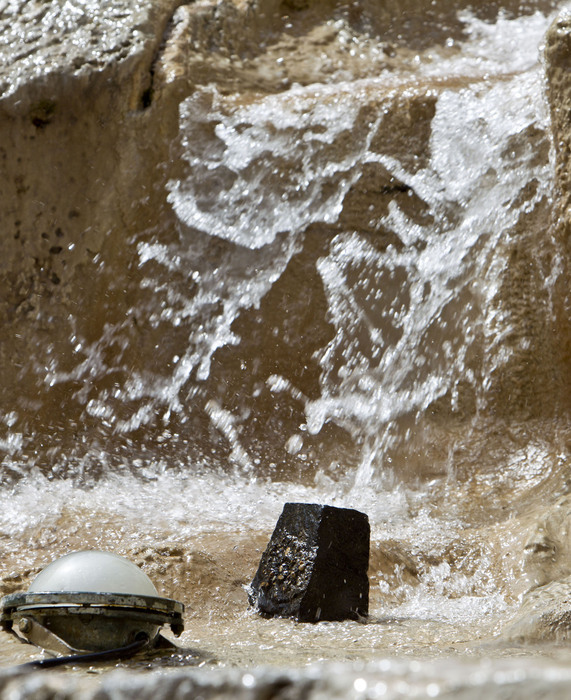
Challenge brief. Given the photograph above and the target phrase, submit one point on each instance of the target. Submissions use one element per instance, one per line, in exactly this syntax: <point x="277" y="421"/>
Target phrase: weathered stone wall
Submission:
<point x="557" y="59"/>
<point x="88" y="125"/>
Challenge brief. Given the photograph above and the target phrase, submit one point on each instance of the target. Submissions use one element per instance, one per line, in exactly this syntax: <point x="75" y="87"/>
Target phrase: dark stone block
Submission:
<point x="315" y="565"/>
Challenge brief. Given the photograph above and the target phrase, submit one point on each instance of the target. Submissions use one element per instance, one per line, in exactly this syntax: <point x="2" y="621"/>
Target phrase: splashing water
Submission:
<point x="418" y="318"/>
<point x="338" y="280"/>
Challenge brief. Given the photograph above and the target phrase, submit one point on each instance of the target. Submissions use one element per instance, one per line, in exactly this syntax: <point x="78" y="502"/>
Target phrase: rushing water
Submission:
<point x="354" y="301"/>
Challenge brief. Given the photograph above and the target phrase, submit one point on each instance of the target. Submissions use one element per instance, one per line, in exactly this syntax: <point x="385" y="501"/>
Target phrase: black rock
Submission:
<point x="315" y="565"/>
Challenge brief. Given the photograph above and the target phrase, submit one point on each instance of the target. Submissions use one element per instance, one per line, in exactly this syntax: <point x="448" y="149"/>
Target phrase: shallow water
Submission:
<point x="355" y="299"/>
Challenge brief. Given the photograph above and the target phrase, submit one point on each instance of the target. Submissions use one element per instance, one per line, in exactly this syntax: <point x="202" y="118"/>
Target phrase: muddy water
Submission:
<point x="345" y="285"/>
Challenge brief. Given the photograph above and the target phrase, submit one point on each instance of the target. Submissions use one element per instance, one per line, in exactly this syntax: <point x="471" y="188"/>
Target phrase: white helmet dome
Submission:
<point x="93" y="571"/>
<point x="91" y="601"/>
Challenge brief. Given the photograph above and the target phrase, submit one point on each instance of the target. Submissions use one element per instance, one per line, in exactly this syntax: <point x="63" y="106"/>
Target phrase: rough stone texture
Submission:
<point x="89" y="119"/>
<point x="548" y="547"/>
<point x="557" y="59"/>
<point x="88" y="138"/>
<point x="73" y="167"/>
<point x="41" y="39"/>
<point x="557" y="55"/>
<point x="545" y="612"/>
<point x="68" y="109"/>
<point x="544" y="616"/>
<point x="315" y="565"/>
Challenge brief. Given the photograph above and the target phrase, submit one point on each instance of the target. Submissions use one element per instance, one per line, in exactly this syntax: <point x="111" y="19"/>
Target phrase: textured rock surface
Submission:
<point x="545" y="612"/>
<point x="544" y="616"/>
<point x="315" y="565"/>
<point x="89" y="140"/>
<point x="74" y="38"/>
<point x="74" y="160"/>
<point x="74" y="79"/>
<point x="89" y="120"/>
<point x="548" y="548"/>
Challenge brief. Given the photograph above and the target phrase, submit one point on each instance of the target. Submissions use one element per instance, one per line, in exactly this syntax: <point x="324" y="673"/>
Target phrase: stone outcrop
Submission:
<point x="544" y="616"/>
<point x="89" y="139"/>
<point x="77" y="170"/>
<point x="75" y="82"/>
<point x="89" y="120"/>
<point x="545" y="613"/>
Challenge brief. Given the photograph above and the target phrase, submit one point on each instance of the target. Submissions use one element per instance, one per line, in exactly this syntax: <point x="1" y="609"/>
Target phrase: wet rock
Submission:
<point x="557" y="54"/>
<point x="462" y="679"/>
<point x="557" y="61"/>
<point x="545" y="611"/>
<point x="315" y="565"/>
<point x="394" y="571"/>
<point x="92" y="96"/>
<point x="544" y="616"/>
<point x="547" y="552"/>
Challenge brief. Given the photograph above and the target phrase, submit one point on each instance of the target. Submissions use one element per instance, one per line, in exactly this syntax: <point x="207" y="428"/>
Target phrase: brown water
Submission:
<point x="341" y="282"/>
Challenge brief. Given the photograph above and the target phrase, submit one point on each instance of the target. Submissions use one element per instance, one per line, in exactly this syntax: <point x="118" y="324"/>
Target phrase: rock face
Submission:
<point x="557" y="58"/>
<point x="544" y="616"/>
<point x="557" y="54"/>
<point x="122" y="323"/>
<point x="76" y="174"/>
<point x="315" y="565"/>
<point x="545" y="612"/>
<point x="75" y="82"/>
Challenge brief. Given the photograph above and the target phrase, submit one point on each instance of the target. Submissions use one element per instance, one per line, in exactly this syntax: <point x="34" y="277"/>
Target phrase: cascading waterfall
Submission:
<point x="336" y="312"/>
<point x="414" y="314"/>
